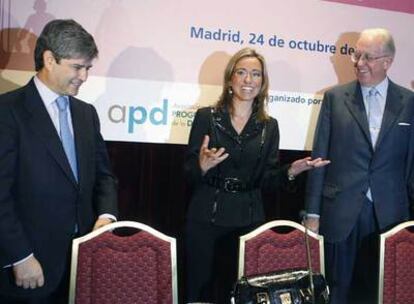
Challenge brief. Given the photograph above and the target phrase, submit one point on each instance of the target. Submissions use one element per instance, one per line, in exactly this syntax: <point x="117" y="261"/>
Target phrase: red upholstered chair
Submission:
<point x="268" y="249"/>
<point x="396" y="278"/>
<point x="110" y="269"/>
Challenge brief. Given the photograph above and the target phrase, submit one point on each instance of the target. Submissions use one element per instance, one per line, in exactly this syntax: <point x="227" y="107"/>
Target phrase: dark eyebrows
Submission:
<point x="81" y="66"/>
<point x="244" y="69"/>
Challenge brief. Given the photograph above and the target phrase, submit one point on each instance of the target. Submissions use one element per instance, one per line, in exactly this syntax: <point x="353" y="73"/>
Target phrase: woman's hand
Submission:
<point x="305" y="164"/>
<point x="209" y="158"/>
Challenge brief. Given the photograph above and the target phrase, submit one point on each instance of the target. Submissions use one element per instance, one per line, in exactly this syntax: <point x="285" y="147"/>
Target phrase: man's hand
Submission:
<point x="100" y="222"/>
<point x="29" y="274"/>
<point x="312" y="224"/>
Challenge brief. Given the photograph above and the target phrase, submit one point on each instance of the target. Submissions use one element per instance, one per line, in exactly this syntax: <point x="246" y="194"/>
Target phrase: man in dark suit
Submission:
<point x="55" y="177"/>
<point x="366" y="130"/>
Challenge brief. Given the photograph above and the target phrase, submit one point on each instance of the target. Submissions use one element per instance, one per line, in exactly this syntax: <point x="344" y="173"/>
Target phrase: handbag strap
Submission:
<point x="308" y="257"/>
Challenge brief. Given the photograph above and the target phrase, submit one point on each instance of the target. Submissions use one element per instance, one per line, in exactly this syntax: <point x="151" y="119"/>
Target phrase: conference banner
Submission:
<point x="161" y="60"/>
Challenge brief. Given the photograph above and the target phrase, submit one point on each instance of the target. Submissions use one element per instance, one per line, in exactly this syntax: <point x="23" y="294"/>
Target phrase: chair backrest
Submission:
<point x="138" y="268"/>
<point x="396" y="277"/>
<point x="265" y="249"/>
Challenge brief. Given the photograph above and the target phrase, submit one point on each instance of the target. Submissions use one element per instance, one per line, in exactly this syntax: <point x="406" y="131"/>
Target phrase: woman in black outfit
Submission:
<point x="232" y="155"/>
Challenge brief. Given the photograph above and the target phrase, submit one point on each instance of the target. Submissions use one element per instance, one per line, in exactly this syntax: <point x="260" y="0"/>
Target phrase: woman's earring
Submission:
<point x="230" y="91"/>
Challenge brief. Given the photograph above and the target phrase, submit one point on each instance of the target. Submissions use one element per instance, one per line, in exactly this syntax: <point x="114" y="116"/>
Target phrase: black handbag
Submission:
<point x="291" y="286"/>
<point x="283" y="287"/>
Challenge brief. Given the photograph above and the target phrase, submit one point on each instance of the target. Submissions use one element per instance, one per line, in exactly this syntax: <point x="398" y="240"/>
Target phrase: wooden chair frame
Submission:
<point x="111" y="227"/>
<point x="383" y="238"/>
<point x="273" y="224"/>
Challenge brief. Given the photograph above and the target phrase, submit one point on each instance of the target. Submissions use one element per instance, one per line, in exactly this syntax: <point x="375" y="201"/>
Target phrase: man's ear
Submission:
<point x="48" y="59"/>
<point x="388" y="62"/>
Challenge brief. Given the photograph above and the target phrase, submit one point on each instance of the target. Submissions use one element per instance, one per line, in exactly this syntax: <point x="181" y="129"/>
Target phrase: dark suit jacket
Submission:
<point x="40" y="201"/>
<point x="337" y="191"/>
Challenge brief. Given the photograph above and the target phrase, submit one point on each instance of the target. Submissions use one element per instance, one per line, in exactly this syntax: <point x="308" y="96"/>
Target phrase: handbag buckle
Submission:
<point x="285" y="298"/>
<point x="262" y="298"/>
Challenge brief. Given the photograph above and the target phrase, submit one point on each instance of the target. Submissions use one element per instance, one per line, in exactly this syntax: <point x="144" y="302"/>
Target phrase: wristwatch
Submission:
<point x="290" y="176"/>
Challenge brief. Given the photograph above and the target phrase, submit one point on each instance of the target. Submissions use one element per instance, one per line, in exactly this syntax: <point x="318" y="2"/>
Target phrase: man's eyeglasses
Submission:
<point x="356" y="57"/>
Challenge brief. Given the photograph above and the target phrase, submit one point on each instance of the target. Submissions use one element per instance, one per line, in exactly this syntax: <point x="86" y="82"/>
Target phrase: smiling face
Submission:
<point x="66" y="76"/>
<point x="372" y="61"/>
<point x="246" y="80"/>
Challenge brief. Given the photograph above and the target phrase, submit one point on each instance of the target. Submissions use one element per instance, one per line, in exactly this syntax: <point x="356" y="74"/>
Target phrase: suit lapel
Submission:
<point x="355" y="104"/>
<point x="393" y="107"/>
<point x="41" y="124"/>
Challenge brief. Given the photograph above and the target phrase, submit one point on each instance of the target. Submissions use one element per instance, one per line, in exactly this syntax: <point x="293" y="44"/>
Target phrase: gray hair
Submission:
<point x="66" y="39"/>
<point x="388" y="45"/>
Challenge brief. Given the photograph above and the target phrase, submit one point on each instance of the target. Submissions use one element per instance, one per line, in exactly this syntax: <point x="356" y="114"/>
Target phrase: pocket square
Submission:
<point x="404" y="124"/>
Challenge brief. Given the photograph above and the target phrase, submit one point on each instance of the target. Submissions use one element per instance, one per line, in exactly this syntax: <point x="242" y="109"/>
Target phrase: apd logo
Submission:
<point x="138" y="115"/>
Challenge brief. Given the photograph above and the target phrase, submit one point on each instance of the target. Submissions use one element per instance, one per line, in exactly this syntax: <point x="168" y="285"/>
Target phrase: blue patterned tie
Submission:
<point x="374" y="114"/>
<point x="65" y="134"/>
<point x="374" y="120"/>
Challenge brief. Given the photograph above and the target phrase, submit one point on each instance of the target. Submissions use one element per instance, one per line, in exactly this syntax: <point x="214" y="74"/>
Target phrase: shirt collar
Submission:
<point x="48" y="96"/>
<point x="382" y="88"/>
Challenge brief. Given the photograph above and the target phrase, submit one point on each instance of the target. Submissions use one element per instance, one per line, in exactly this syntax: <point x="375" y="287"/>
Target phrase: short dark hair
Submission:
<point x="66" y="39"/>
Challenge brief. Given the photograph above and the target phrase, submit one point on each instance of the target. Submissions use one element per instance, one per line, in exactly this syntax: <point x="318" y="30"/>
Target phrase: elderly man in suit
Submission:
<point x="55" y="177"/>
<point x="366" y="129"/>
